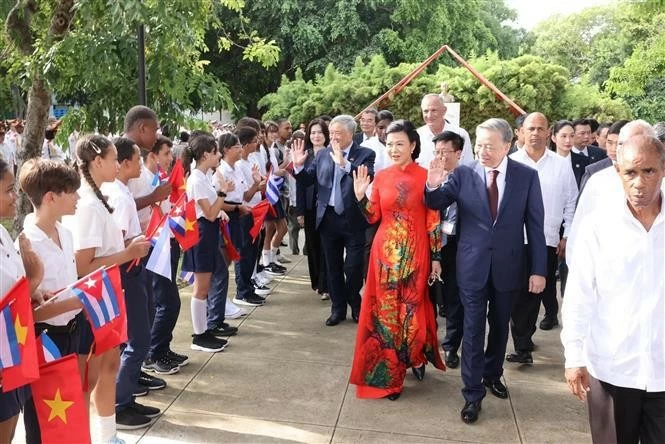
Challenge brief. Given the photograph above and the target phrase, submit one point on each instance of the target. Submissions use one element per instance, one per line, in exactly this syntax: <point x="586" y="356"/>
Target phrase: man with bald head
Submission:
<point x="605" y="184"/>
<point x="559" y="193"/>
<point x="614" y="328"/>
<point x="434" y="112"/>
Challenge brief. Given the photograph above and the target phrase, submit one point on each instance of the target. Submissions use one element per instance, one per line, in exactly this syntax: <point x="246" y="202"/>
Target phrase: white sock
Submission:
<point x="102" y="428"/>
<point x="265" y="254"/>
<point x="273" y="254"/>
<point x="198" y="308"/>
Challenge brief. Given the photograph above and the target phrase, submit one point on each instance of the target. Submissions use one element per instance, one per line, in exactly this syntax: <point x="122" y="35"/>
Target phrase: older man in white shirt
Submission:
<point x="614" y="310"/>
<point x="434" y="112"/>
<point x="559" y="191"/>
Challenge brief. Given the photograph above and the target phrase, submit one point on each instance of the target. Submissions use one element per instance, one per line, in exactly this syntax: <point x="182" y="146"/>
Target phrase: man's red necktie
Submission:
<point x="493" y="193"/>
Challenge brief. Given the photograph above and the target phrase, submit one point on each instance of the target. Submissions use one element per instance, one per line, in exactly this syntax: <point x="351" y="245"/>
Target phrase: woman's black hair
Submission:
<point x="199" y="144"/>
<point x="226" y="141"/>
<point x="4" y="168"/>
<point x="405" y="126"/>
<point x="308" y="133"/>
<point x="87" y="149"/>
<point x="246" y="134"/>
<point x="558" y="126"/>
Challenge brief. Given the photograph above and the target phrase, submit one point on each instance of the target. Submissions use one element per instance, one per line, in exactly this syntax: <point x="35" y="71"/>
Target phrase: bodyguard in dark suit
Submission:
<point x="582" y="142"/>
<point x="496" y="199"/>
<point x="338" y="216"/>
<point x="579" y="163"/>
<point x="611" y="146"/>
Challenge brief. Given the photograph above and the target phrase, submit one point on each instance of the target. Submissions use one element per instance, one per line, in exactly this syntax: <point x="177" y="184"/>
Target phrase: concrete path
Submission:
<point x="284" y="378"/>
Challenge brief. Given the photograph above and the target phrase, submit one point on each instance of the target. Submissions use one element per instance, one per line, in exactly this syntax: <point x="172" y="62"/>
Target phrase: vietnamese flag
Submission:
<point x="182" y="222"/>
<point x="18" y="347"/>
<point x="259" y="212"/>
<point x="231" y="251"/>
<point x="177" y="180"/>
<point x="58" y="398"/>
<point x="104" y="304"/>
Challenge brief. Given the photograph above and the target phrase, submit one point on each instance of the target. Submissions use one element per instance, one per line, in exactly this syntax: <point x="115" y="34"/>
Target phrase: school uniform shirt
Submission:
<point x="59" y="262"/>
<point x="200" y="187"/>
<point x="613" y="320"/>
<point x="234" y="175"/>
<point x="245" y="167"/>
<point x="124" y="208"/>
<point x="12" y="265"/>
<point x="92" y="226"/>
<point x="559" y="191"/>
<point x="259" y="159"/>
<point x="141" y="187"/>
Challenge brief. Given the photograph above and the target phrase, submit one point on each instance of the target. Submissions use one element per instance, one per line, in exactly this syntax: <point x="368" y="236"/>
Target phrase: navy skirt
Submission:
<point x="279" y="209"/>
<point x="11" y="403"/>
<point x="204" y="256"/>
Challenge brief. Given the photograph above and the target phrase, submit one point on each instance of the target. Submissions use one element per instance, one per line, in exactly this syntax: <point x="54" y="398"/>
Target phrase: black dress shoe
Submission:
<point x="334" y="320"/>
<point x="520" y="357"/>
<point x="471" y="411"/>
<point x="452" y="360"/>
<point x="355" y="314"/>
<point x="497" y="388"/>
<point x="419" y="372"/>
<point x="548" y="323"/>
<point x="442" y="311"/>
<point x="394" y="396"/>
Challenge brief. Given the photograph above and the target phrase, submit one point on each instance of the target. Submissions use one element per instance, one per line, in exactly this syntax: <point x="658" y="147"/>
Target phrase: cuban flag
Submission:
<point x="50" y="351"/>
<point x="187" y="276"/>
<point x="274" y="185"/>
<point x="99" y="299"/>
<point x="160" y="177"/>
<point x="159" y="261"/>
<point x="9" y="350"/>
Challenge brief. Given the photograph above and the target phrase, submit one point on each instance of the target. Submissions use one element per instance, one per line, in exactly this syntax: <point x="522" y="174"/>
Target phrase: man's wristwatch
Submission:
<point x="220" y="194"/>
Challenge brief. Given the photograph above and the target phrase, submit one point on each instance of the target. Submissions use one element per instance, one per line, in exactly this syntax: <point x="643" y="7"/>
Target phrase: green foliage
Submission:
<point x="530" y="81"/>
<point x="314" y="34"/>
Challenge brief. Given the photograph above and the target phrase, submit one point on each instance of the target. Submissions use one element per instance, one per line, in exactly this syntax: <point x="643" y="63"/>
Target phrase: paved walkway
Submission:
<point x="284" y="378"/>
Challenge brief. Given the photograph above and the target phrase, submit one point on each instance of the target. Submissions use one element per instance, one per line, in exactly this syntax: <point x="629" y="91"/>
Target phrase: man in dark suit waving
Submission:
<point x="496" y="199"/>
<point x="338" y="216"/>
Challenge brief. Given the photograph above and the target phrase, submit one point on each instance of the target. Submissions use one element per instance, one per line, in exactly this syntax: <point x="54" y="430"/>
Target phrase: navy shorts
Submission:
<point x="279" y="210"/>
<point x="204" y="256"/>
<point x="86" y="338"/>
<point x="12" y="403"/>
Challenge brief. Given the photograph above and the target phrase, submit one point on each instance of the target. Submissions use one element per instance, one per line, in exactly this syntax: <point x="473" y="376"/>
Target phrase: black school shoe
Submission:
<point x="179" y="359"/>
<point x="151" y="382"/>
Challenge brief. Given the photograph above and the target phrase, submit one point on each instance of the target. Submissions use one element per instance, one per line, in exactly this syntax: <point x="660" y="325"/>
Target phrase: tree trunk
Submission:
<point x="39" y="102"/>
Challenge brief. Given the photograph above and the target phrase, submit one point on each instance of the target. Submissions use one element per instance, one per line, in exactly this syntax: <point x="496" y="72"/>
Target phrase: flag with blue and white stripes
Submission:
<point x="9" y="350"/>
<point x="187" y="276"/>
<point x="50" y="350"/>
<point x="274" y="185"/>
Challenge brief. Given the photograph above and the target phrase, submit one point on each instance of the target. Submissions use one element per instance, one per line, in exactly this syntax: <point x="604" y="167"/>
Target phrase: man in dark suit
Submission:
<point x="338" y="216"/>
<point x="579" y="163"/>
<point x="496" y="199"/>
<point x="582" y="141"/>
<point x="368" y="120"/>
<point x="611" y="148"/>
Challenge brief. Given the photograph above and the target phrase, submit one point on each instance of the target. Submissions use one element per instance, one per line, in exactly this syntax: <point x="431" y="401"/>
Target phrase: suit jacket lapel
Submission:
<point x="481" y="187"/>
<point x="507" y="189"/>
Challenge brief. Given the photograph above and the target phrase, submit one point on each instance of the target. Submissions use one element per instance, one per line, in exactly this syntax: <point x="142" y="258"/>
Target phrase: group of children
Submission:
<point x="96" y="216"/>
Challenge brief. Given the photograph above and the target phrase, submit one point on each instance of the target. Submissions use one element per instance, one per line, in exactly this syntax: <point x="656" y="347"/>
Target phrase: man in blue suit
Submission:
<point x="496" y="199"/>
<point x="338" y="216"/>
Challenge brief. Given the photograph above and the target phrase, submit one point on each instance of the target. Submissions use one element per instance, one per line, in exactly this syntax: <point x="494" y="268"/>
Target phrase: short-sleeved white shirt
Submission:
<point x="200" y="187"/>
<point x="124" y="208"/>
<point x="259" y="159"/>
<point x="93" y="226"/>
<point x="245" y="167"/>
<point x="12" y="265"/>
<point x="141" y="187"/>
<point x="233" y="174"/>
<point x="59" y="263"/>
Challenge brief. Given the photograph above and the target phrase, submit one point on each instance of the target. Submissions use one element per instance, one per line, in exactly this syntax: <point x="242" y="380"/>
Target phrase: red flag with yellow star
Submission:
<point x="182" y="222"/>
<point x="58" y="397"/>
<point x="18" y="348"/>
<point x="177" y="179"/>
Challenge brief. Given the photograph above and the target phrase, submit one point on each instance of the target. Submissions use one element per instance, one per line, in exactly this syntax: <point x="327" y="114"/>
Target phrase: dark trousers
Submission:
<point x="345" y="277"/>
<point x="135" y="350"/>
<point x="219" y="289"/>
<point x="239" y="227"/>
<point x="315" y="260"/>
<point x="527" y="305"/>
<point x="293" y="227"/>
<point x="167" y="306"/>
<point x="67" y="343"/>
<point x="625" y="415"/>
<point x="563" y="276"/>
<point x="476" y="364"/>
<point x="369" y="239"/>
<point x="451" y="298"/>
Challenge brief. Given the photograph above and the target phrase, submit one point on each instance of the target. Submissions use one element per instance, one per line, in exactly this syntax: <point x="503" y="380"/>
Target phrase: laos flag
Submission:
<point x="104" y="304"/>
